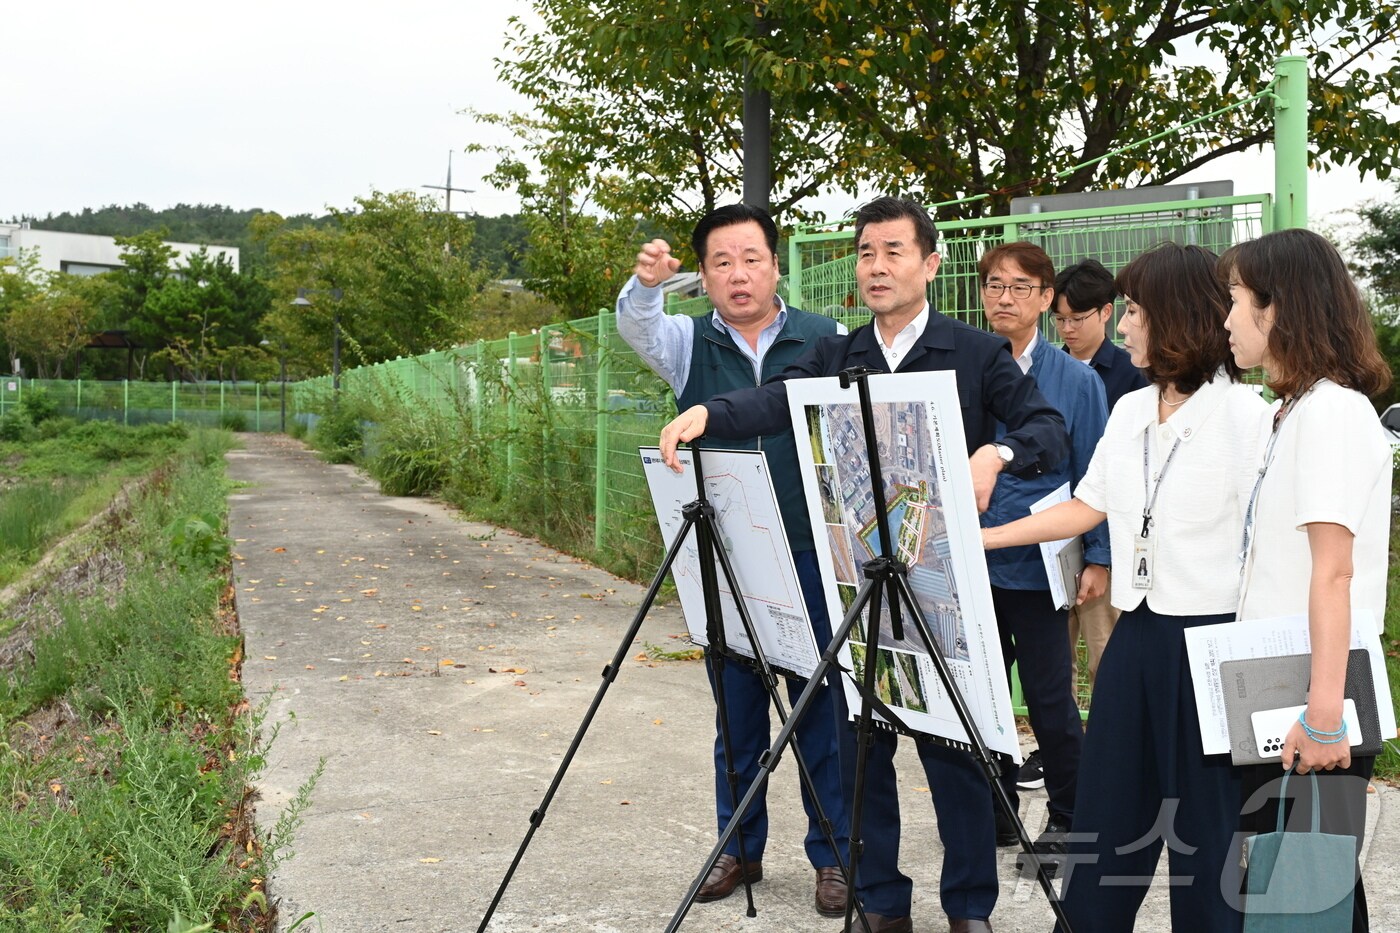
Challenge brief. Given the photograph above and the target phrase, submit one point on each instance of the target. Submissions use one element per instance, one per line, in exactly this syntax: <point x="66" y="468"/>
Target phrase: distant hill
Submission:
<point x="500" y="241"/>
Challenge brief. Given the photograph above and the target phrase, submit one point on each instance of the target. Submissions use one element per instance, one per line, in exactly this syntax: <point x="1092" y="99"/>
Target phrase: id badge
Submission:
<point x="1142" y="563"/>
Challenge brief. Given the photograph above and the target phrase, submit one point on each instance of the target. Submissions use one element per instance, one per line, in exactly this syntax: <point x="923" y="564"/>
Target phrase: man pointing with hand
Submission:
<point x="750" y="335"/>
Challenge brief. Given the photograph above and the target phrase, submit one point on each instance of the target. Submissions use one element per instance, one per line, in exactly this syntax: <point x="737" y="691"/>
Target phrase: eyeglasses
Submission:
<point x="1019" y="290"/>
<point x="1066" y="321"/>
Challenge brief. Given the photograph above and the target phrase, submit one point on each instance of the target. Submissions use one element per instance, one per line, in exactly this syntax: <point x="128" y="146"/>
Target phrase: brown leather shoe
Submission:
<point x="725" y="877"/>
<point x="968" y="926"/>
<point x="831" y="892"/>
<point x="879" y="923"/>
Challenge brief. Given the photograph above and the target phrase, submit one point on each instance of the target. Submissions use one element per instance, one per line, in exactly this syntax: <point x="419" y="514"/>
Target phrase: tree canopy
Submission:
<point x="942" y="101"/>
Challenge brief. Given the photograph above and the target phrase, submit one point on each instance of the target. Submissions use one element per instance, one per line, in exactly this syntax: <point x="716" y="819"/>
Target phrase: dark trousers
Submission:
<point x="1343" y="805"/>
<point x="1033" y="637"/>
<point x="962" y="801"/>
<point x="748" y="706"/>
<point x="1143" y="782"/>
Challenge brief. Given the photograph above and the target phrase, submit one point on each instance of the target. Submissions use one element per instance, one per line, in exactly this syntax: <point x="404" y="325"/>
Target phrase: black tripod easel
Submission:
<point x="886" y="581"/>
<point x="699" y="516"/>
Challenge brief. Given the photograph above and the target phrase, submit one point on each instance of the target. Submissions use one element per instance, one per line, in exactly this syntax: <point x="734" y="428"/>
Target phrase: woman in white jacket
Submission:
<point x="1317" y="532"/>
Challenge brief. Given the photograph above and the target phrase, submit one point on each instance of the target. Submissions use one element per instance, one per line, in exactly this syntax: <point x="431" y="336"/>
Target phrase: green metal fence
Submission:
<point x="244" y="406"/>
<point x="577" y="390"/>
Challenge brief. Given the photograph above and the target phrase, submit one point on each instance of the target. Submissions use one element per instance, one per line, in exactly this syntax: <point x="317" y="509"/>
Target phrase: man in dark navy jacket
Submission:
<point x="896" y="259"/>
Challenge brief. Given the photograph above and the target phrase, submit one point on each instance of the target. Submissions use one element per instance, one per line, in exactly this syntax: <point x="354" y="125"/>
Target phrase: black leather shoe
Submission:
<point x="725" y="877"/>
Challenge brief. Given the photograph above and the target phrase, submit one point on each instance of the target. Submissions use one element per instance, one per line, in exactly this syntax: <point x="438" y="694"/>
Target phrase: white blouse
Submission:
<point x="1198" y="517"/>
<point x="1331" y="463"/>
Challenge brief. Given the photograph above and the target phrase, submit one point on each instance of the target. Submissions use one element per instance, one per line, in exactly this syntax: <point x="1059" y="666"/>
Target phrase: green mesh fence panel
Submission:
<point x="240" y="406"/>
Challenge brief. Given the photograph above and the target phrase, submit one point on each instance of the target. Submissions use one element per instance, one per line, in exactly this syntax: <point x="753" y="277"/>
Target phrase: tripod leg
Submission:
<point x="609" y="675"/>
<point x="770" y="682"/>
<point x="990" y="768"/>
<point x="865" y="735"/>
<point x="815" y="683"/>
<point x="732" y="777"/>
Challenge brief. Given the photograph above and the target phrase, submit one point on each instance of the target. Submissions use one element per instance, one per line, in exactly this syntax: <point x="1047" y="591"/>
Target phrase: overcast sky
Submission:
<point x="289" y="106"/>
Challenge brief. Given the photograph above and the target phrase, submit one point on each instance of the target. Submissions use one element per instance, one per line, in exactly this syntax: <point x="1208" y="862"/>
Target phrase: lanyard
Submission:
<point x="1149" y="489"/>
<point x="1248" y="537"/>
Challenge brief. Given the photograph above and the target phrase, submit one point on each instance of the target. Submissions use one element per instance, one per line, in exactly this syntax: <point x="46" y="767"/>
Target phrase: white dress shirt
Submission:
<point x="903" y="341"/>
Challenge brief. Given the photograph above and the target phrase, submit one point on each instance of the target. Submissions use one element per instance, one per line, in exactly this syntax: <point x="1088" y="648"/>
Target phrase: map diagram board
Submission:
<point x="936" y="534"/>
<point x="738" y="485"/>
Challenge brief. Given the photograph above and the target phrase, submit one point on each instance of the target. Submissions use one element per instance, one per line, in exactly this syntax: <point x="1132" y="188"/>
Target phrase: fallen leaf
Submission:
<point x="656" y="722"/>
<point x="608" y="781"/>
<point x="430" y="861"/>
<point x="311" y="667"/>
<point x="269" y="657"/>
<point x="641" y="657"/>
<point x="369" y="592"/>
<point x="447" y="662"/>
<point x="434" y="732"/>
<point x="519" y="683"/>
<point x="625" y="803"/>
<point x="279" y="550"/>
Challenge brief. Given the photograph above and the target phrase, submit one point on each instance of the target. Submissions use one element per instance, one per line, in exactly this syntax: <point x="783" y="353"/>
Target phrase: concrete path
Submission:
<point x="439" y="668"/>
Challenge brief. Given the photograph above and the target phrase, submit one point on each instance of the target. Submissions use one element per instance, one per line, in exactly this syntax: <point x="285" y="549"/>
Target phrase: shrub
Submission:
<point x="233" y="421"/>
<point x="16" y="426"/>
<point x="413" y="454"/>
<point x="340" y="433"/>
<point x="38" y="405"/>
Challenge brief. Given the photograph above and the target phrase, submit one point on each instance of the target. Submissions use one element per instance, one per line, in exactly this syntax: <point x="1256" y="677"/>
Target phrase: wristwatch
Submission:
<point x="1005" y="453"/>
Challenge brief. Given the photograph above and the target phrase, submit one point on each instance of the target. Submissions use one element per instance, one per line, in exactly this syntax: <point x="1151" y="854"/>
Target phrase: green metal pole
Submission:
<point x="221" y="401"/>
<point x="794" y="289"/>
<point x="172" y="399"/>
<point x="126" y="401"/>
<point x="600" y="435"/>
<point x="1291" y="142"/>
<point x="510" y="411"/>
<point x="257" y="407"/>
<point x="78" y="406"/>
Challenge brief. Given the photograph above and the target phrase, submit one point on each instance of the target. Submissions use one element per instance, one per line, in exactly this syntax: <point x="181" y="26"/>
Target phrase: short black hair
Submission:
<point x="1086" y="286"/>
<point x="885" y="209"/>
<point x="728" y="216"/>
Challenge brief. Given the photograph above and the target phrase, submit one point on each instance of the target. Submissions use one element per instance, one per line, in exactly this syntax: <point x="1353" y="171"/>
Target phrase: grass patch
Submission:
<point x="63" y="472"/>
<point x="125" y="745"/>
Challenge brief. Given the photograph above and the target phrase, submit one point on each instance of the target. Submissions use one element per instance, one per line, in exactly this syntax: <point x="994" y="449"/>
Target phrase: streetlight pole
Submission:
<point x="302" y="301"/>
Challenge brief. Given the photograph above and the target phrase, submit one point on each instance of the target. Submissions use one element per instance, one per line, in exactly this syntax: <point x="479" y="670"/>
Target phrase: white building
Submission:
<point x="83" y="253"/>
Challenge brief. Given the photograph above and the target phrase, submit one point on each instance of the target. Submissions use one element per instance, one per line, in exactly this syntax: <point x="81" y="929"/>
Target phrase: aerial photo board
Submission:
<point x="934" y="525"/>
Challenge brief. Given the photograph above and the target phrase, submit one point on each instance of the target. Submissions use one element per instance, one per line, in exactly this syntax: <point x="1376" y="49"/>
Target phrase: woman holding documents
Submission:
<point x="1172" y="475"/>
<point x="1317" y="530"/>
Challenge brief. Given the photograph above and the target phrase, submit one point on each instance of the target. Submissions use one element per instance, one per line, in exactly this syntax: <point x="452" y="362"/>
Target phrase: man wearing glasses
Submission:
<point x="1017" y="290"/>
<point x="1084" y="296"/>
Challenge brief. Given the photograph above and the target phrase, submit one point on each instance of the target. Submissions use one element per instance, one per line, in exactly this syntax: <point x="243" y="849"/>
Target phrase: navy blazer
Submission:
<point x="991" y="389"/>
